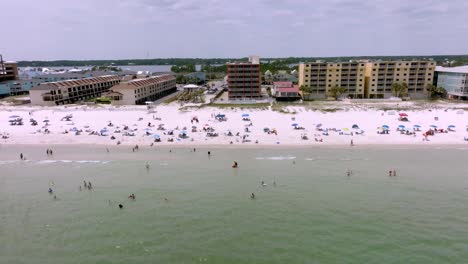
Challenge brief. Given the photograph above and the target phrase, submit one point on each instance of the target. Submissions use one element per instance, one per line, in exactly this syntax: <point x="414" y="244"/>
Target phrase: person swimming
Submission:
<point x="235" y="164"/>
<point x="274" y="183"/>
<point x="50" y="190"/>
<point x="147" y="166"/>
<point x="120" y="206"/>
<point x="252" y="196"/>
<point x="263" y="184"/>
<point x="131" y="196"/>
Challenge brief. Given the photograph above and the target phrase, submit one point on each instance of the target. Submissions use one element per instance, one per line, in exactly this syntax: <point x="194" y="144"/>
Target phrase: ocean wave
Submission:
<point x="275" y="158"/>
<point x="41" y="162"/>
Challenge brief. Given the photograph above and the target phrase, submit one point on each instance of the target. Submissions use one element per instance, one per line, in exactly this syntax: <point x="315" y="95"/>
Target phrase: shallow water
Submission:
<point x="314" y="214"/>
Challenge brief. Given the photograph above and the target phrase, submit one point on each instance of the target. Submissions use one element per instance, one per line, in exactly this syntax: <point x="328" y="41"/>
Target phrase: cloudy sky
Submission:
<point x="120" y="29"/>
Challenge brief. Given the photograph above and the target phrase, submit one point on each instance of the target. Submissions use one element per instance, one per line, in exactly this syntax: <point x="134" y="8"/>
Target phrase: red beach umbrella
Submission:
<point x="403" y="114"/>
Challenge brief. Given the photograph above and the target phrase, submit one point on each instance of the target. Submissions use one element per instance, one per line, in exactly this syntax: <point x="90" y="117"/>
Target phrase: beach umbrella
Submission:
<point x="183" y="132"/>
<point x="385" y="127"/>
<point x="355" y="126"/>
<point x="401" y="126"/>
<point x="403" y="114"/>
<point x="46" y="121"/>
<point x="433" y="126"/>
<point x="451" y="126"/>
<point x="194" y="126"/>
<point x="245" y="115"/>
<point x="14" y="116"/>
<point x="156" y="136"/>
<point x="294" y="125"/>
<point x="318" y="125"/>
<point x="345" y="129"/>
<point x="417" y="126"/>
<point x="147" y="129"/>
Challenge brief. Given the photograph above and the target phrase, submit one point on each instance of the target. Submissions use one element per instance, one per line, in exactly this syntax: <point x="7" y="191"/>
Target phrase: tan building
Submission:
<point x="244" y="79"/>
<point x="71" y="91"/>
<point x="8" y="70"/>
<point x="366" y="79"/>
<point x="139" y="91"/>
<point x="322" y="76"/>
<point x="380" y="75"/>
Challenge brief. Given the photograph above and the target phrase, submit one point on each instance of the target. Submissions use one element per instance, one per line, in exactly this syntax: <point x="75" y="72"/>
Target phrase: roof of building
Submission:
<point x="138" y="83"/>
<point x="191" y="86"/>
<point x="460" y="69"/>
<point x="73" y="83"/>
<point x="294" y="89"/>
<point x="283" y="84"/>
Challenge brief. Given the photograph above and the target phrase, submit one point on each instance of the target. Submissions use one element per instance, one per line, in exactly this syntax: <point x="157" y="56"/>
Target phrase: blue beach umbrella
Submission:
<point x="319" y="125"/>
<point x="14" y="116"/>
<point x="355" y="126"/>
<point x="156" y="136"/>
<point x="401" y="126"/>
<point x="245" y="115"/>
<point x="294" y="125"/>
<point x="451" y="126"/>
<point x="433" y="126"/>
<point x="417" y="126"/>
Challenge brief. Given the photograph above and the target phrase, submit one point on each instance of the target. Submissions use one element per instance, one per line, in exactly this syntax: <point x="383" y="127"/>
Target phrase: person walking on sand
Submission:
<point x="352" y="143"/>
<point x="21" y="156"/>
<point x="252" y="196"/>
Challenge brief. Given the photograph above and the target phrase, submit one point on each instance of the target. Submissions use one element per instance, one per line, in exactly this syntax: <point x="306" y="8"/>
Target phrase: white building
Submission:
<point x="139" y="91"/>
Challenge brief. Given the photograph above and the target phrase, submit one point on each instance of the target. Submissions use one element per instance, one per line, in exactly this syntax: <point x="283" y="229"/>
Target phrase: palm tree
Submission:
<point x="399" y="89"/>
<point x="336" y="91"/>
<point x="306" y="90"/>
<point x="435" y="92"/>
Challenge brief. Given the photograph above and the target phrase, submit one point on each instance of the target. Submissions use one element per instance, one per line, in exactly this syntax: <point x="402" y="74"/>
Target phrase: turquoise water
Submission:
<point x="314" y="214"/>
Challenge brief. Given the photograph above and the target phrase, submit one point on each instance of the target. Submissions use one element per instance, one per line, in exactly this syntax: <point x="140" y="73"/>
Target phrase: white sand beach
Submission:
<point x="109" y="125"/>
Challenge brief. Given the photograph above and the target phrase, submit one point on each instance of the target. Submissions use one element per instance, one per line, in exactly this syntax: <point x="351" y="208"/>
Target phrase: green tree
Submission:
<point x="435" y="92"/>
<point x="306" y="91"/>
<point x="399" y="89"/>
<point x="336" y="91"/>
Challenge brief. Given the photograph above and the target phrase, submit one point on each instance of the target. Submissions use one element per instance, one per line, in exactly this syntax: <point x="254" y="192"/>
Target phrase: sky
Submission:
<point x="139" y="29"/>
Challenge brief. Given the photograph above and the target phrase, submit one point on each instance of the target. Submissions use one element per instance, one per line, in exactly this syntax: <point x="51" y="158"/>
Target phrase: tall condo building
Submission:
<point x="366" y="79"/>
<point x="322" y="76"/>
<point x="244" y="79"/>
<point x="8" y="70"/>
<point x="382" y="74"/>
<point x="454" y="80"/>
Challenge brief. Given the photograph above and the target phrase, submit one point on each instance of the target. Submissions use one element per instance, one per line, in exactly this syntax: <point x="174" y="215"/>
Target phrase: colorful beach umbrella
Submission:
<point x="403" y="114"/>
<point x="345" y="129"/>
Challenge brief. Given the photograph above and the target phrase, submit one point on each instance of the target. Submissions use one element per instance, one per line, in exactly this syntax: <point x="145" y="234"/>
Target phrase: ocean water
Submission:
<point x="314" y="213"/>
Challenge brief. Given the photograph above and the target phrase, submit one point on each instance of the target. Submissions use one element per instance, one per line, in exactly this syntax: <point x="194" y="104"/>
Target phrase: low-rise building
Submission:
<point x="454" y="80"/>
<point x="285" y="91"/>
<point x="71" y="91"/>
<point x="139" y="91"/>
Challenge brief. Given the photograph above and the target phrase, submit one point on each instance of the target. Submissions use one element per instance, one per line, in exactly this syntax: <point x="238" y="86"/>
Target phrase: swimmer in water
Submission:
<point x="55" y="197"/>
<point x="390" y="173"/>
<point x="50" y="190"/>
<point x="263" y="183"/>
<point x="120" y="206"/>
<point x="235" y="164"/>
<point x="166" y="200"/>
<point x="147" y="166"/>
<point x="394" y="172"/>
<point x="252" y="196"/>
<point x="274" y="183"/>
<point x="80" y="188"/>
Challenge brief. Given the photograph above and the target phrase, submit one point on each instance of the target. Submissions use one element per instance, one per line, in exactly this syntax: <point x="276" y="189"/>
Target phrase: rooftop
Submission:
<point x="283" y="84"/>
<point x="293" y="89"/>
<point x="137" y="83"/>
<point x="74" y="83"/>
<point x="460" y="69"/>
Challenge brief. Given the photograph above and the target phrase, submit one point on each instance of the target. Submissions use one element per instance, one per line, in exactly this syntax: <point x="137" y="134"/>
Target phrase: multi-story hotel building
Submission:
<point x="366" y="79"/>
<point x="71" y="91"/>
<point x="139" y="91"/>
<point x="8" y="70"/>
<point x="322" y="76"/>
<point x="244" y="79"/>
<point x="382" y="74"/>
<point x="454" y="81"/>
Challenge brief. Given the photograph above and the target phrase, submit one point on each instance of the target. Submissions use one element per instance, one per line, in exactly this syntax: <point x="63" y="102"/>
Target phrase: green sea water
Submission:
<point x="314" y="214"/>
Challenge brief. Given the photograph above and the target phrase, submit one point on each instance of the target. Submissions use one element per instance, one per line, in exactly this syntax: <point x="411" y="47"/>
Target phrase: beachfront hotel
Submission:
<point x="139" y="91"/>
<point x="366" y="79"/>
<point x="454" y="81"/>
<point x="8" y="70"/>
<point x="71" y="91"/>
<point x="380" y="75"/>
<point x="322" y="76"/>
<point x="244" y="79"/>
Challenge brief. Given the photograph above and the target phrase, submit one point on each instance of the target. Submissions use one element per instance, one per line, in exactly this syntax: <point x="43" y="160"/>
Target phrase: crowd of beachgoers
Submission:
<point x="170" y="125"/>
